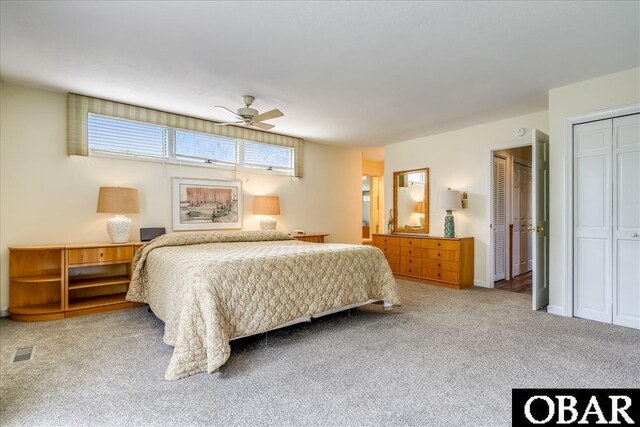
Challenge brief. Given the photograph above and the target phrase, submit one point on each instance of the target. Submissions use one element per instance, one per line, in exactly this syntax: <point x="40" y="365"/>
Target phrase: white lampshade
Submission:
<point x="450" y="199"/>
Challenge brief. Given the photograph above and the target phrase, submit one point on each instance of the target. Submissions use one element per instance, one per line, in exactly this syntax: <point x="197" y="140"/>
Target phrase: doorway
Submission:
<point x="512" y="217"/>
<point x="518" y="212"/>
<point x="371" y="212"/>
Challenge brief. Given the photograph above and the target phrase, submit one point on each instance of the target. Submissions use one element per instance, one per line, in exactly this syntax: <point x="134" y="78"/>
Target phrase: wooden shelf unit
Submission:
<point x="55" y="282"/>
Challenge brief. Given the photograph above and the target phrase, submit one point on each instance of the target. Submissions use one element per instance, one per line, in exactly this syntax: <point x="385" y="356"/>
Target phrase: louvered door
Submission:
<point x="499" y="222"/>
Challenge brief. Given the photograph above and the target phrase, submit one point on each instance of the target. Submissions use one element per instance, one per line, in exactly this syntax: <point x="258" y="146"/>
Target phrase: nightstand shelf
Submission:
<point x="39" y="278"/>
<point x="100" y="301"/>
<point x="97" y="282"/>
<point x="311" y="237"/>
<point x="46" y="308"/>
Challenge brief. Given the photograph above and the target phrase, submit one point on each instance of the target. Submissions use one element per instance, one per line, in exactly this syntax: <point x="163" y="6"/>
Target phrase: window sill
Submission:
<point x="187" y="163"/>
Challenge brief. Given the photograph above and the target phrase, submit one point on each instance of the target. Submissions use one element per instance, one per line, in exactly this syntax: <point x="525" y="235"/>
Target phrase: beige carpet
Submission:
<point x="445" y="358"/>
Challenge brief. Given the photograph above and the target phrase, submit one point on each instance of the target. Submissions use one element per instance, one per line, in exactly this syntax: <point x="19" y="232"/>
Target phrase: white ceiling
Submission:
<point x="357" y="73"/>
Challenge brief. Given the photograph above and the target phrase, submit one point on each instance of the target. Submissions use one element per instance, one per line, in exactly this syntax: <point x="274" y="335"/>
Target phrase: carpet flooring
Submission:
<point x="444" y="358"/>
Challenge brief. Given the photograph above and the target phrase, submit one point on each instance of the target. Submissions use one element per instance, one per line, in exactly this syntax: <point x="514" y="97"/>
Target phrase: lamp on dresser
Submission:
<point x="450" y="200"/>
<point x="119" y="201"/>
<point x="266" y="205"/>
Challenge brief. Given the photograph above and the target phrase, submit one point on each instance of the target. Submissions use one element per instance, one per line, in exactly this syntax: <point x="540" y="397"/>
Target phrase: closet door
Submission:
<point x="499" y="218"/>
<point x="626" y="221"/>
<point x="592" y="220"/>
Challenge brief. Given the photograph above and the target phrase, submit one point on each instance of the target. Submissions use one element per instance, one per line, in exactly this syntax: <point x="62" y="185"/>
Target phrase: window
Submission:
<point x="138" y="139"/>
<point x="204" y="146"/>
<point x="108" y="134"/>
<point x="268" y="156"/>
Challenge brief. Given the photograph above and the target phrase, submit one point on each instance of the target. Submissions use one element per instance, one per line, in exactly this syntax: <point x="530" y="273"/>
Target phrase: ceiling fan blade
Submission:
<point x="229" y="111"/>
<point x="268" y="115"/>
<point x="265" y="126"/>
<point x="229" y="123"/>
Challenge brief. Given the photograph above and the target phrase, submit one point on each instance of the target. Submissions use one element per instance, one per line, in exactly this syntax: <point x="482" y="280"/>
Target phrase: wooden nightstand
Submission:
<point x="55" y="282"/>
<point x="311" y="237"/>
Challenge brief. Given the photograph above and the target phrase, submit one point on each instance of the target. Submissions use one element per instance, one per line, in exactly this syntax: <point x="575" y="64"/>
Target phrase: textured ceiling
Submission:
<point x="355" y="73"/>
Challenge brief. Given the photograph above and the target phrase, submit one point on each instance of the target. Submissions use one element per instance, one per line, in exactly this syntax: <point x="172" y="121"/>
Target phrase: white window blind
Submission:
<point x="124" y="137"/>
<point x="205" y="146"/>
<point x="110" y="134"/>
<point x="268" y="156"/>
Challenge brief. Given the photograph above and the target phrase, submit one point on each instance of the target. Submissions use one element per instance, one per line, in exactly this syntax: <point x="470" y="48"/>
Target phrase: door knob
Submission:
<point x="634" y="234"/>
<point x="536" y="229"/>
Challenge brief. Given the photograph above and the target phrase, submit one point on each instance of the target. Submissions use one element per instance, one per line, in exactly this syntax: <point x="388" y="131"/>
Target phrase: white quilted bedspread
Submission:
<point x="210" y="287"/>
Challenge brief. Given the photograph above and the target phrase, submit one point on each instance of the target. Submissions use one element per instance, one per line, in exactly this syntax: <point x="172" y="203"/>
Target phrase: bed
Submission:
<point x="211" y="287"/>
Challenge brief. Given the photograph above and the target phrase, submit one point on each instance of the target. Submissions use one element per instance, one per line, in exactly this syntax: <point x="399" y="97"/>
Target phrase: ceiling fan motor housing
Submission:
<point x="247" y="113"/>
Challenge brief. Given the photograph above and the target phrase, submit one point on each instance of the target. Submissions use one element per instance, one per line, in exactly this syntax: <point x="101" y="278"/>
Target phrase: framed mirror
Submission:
<point x="411" y="201"/>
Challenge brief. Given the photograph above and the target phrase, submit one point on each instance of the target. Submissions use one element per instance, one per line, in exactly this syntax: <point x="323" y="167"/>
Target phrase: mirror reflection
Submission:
<point x="411" y="201"/>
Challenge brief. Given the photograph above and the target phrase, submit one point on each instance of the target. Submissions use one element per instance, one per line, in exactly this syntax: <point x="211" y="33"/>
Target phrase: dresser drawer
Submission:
<point x="409" y="270"/>
<point x="389" y="250"/>
<point x="440" y="275"/>
<point x="440" y="264"/>
<point x="449" y="245"/>
<point x="98" y="255"/>
<point x="411" y="262"/>
<point x="409" y="251"/>
<point x="441" y="254"/>
<point x="392" y="258"/>
<point x="409" y="242"/>
<point x="385" y="241"/>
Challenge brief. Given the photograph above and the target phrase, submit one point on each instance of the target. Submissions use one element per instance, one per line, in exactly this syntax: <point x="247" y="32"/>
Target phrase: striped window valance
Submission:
<point x="79" y="107"/>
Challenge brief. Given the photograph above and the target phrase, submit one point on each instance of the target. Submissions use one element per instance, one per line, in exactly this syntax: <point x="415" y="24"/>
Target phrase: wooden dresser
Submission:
<point x="434" y="260"/>
<point x="59" y="281"/>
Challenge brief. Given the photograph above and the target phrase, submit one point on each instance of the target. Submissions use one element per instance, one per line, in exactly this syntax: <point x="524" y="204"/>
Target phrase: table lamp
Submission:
<point x="450" y="200"/>
<point x="119" y="201"/>
<point x="266" y="205"/>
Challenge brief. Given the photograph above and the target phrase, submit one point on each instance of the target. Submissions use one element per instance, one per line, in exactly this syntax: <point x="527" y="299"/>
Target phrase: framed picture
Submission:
<point x="202" y="204"/>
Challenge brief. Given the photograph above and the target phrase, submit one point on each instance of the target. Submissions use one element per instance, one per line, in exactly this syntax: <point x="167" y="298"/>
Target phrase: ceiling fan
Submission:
<point x="250" y="116"/>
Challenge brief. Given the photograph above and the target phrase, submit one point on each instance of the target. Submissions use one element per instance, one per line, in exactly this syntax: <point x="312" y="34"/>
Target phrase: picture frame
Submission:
<point x="203" y="204"/>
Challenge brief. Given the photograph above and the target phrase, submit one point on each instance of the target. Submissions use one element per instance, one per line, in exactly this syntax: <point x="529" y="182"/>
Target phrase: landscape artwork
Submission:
<point x="200" y="204"/>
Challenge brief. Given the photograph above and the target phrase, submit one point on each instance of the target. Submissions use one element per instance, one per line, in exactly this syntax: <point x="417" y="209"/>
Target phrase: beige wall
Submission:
<point x="372" y="167"/>
<point x="614" y="90"/>
<point x="460" y="160"/>
<point x="49" y="197"/>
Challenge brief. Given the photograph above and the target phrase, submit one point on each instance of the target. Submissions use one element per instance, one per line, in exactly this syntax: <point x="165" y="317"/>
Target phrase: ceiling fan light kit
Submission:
<point x="251" y="117"/>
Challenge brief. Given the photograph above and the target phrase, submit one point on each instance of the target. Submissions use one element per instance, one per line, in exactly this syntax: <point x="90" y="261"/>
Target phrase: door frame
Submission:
<point x="524" y="141"/>
<point x="569" y="122"/>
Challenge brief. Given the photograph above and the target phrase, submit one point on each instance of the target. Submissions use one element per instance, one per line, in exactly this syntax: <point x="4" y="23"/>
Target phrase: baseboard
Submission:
<point x="556" y="309"/>
<point x="480" y="283"/>
<point x="4" y="312"/>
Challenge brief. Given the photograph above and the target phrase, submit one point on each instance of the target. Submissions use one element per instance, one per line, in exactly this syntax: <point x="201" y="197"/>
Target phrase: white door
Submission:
<point x="592" y="218"/>
<point x="626" y="221"/>
<point x="521" y="218"/>
<point x="499" y="218"/>
<point x="516" y="219"/>
<point x="529" y="217"/>
<point x="540" y="219"/>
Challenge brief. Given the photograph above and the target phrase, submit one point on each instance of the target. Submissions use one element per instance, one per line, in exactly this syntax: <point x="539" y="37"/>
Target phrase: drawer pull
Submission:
<point x="101" y="254"/>
<point x="410" y="261"/>
<point x="438" y="274"/>
<point x="438" y="264"/>
<point x="410" y="242"/>
<point x="385" y="249"/>
<point x="438" y="243"/>
<point x="439" y="254"/>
